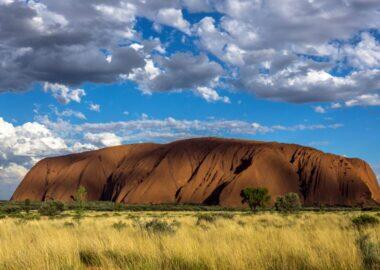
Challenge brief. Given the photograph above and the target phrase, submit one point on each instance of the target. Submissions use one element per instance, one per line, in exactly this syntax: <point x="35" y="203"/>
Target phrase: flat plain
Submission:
<point x="189" y="240"/>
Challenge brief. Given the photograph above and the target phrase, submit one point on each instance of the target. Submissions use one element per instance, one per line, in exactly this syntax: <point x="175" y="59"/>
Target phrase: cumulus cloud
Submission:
<point x="178" y="72"/>
<point x="10" y="177"/>
<point x="291" y="50"/>
<point x="20" y="147"/>
<point x="63" y="93"/>
<point x="94" y="107"/>
<point x="146" y="129"/>
<point x="12" y="173"/>
<point x="210" y="95"/>
<point x="103" y="139"/>
<point x="364" y="100"/>
<point x="173" y="17"/>
<point x="295" y="54"/>
<point x="68" y="113"/>
<point x="319" y="109"/>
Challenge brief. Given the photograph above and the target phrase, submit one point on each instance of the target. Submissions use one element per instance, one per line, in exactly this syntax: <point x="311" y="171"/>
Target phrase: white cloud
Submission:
<point x="6" y="2"/>
<point x="336" y="105"/>
<point x="288" y="50"/>
<point x="319" y="143"/>
<point x="63" y="93"/>
<point x="173" y="17"/>
<point x="273" y="47"/>
<point x="12" y="173"/>
<point x="10" y="176"/>
<point x="68" y="113"/>
<point x="81" y="147"/>
<point x="30" y="139"/>
<point x="94" y="107"/>
<point x="20" y="147"/>
<point x="364" y="100"/>
<point x="125" y="13"/>
<point x="145" y="74"/>
<point x="46" y="21"/>
<point x="365" y="54"/>
<point x="103" y="139"/>
<point x="376" y="168"/>
<point x="142" y="129"/>
<point x="210" y="95"/>
<point x="136" y="46"/>
<point x="319" y="109"/>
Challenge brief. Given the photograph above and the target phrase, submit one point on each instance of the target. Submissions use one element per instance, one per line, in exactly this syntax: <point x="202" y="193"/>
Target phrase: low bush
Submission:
<point x="158" y="226"/>
<point x="289" y="203"/>
<point x="119" y="225"/>
<point x="90" y="258"/>
<point x="365" y="220"/>
<point x="121" y="260"/>
<point x="177" y="262"/>
<point x="370" y="252"/>
<point x="206" y="218"/>
<point x="27" y="206"/>
<point x="225" y="215"/>
<point x="11" y="209"/>
<point x="31" y="216"/>
<point x="51" y="208"/>
<point x="68" y="224"/>
<point x="119" y="207"/>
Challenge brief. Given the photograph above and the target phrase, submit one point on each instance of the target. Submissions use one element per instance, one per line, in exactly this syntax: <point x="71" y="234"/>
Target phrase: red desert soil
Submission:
<point x="204" y="171"/>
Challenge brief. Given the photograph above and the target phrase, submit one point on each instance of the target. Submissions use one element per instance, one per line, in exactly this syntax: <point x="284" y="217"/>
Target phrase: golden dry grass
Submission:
<point x="261" y="241"/>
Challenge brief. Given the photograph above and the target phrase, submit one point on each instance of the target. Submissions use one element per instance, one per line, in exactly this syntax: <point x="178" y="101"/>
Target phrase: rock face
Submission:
<point x="204" y="171"/>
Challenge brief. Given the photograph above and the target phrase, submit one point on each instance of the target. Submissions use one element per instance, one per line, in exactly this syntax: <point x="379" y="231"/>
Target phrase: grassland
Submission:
<point x="189" y="240"/>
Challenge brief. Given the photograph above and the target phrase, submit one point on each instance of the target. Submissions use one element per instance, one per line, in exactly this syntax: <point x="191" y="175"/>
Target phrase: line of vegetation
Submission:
<point x="256" y="198"/>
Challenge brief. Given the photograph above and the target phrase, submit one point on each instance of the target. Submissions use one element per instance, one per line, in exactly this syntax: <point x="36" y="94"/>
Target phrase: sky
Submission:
<point x="82" y="75"/>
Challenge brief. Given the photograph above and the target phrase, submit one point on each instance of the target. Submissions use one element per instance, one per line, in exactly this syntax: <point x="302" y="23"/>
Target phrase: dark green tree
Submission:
<point x="80" y="198"/>
<point x="27" y="206"/>
<point x="51" y="208"/>
<point x="255" y="197"/>
<point x="289" y="203"/>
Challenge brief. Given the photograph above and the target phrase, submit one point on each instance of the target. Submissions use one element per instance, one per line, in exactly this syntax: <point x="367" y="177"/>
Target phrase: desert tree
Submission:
<point x="80" y="198"/>
<point x="255" y="197"/>
<point x="289" y="203"/>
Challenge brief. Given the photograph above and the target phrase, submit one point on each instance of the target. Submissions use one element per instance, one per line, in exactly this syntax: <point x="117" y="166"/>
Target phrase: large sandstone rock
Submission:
<point x="204" y="171"/>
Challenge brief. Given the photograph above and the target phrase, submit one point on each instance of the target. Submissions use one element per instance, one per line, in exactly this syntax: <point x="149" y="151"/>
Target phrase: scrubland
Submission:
<point x="189" y="240"/>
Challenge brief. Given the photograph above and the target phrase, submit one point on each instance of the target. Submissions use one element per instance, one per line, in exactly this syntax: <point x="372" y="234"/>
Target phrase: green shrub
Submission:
<point x="158" y="226"/>
<point x="11" y="209"/>
<point x="90" y="258"/>
<point x="126" y="261"/>
<point x="119" y="225"/>
<point x="80" y="198"/>
<point x="225" y="215"/>
<point x="119" y="207"/>
<point x="31" y="216"/>
<point x="241" y="223"/>
<point x="181" y="263"/>
<point x="68" y="224"/>
<point x="365" y="220"/>
<point x="370" y="252"/>
<point x="51" y="208"/>
<point x="206" y="218"/>
<point x="289" y="203"/>
<point x="255" y="197"/>
<point x="27" y="206"/>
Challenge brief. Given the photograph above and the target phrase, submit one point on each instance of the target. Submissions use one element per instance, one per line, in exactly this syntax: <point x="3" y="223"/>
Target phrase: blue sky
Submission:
<point x="81" y="75"/>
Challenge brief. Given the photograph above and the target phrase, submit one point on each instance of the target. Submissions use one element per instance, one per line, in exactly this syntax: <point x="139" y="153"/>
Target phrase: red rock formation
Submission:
<point x="204" y="170"/>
